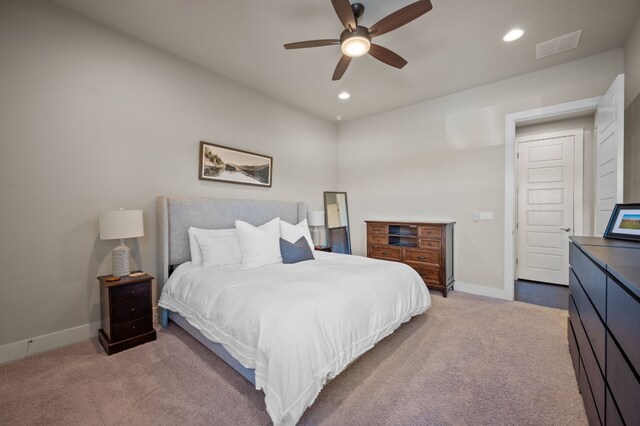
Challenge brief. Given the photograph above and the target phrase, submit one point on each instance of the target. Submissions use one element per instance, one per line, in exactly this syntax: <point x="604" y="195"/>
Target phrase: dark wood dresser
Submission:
<point x="127" y="317"/>
<point x="604" y="327"/>
<point x="425" y="246"/>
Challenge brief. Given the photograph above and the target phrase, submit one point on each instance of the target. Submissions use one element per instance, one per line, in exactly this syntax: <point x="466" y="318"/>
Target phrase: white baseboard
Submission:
<point x="35" y="345"/>
<point x="481" y="290"/>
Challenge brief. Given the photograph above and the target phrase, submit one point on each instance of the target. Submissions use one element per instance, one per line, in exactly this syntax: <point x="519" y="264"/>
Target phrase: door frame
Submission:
<point x="578" y="175"/>
<point x="560" y="111"/>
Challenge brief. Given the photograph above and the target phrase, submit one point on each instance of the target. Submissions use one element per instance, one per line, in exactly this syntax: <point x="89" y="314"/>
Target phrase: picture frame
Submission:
<point x="225" y="164"/>
<point x="624" y="223"/>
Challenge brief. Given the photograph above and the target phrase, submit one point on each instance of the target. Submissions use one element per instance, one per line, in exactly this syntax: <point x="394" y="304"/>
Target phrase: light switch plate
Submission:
<point x="485" y="215"/>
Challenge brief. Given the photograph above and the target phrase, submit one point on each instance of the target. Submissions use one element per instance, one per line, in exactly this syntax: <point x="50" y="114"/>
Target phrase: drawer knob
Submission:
<point x="385" y="253"/>
<point x="131" y="292"/>
<point x="133" y="326"/>
<point x="421" y="257"/>
<point x="429" y="244"/>
<point x="133" y="309"/>
<point x="428" y="232"/>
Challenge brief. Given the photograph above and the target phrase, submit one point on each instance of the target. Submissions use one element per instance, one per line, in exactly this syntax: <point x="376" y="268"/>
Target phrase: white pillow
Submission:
<point x="260" y="245"/>
<point x="292" y="233"/>
<point x="219" y="247"/>
<point x="194" y="246"/>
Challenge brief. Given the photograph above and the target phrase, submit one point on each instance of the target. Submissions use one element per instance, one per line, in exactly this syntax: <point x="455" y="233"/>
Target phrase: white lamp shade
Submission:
<point x="316" y="218"/>
<point x="117" y="224"/>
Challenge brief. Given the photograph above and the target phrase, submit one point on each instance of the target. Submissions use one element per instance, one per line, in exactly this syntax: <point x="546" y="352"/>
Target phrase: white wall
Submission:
<point x="586" y="123"/>
<point x="92" y="120"/>
<point x="632" y="117"/>
<point x="444" y="158"/>
<point x="632" y="65"/>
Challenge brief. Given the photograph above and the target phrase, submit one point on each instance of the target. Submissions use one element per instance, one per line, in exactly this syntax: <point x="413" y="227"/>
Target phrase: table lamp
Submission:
<point x="315" y="220"/>
<point x="118" y="225"/>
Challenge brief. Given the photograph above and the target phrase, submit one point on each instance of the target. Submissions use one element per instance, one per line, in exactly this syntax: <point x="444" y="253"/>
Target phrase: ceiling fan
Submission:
<point x="355" y="40"/>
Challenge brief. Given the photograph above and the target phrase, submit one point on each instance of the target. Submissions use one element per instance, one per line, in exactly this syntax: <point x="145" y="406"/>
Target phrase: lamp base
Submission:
<point x="120" y="260"/>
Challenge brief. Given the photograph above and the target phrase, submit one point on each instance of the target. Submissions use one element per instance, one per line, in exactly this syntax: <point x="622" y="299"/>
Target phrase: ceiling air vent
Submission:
<point x="558" y="44"/>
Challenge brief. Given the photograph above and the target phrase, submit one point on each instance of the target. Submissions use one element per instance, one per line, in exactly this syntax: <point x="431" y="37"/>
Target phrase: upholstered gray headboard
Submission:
<point x="177" y="214"/>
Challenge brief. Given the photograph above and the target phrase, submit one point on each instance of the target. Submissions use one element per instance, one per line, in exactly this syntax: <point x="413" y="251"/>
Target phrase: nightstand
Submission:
<point x="127" y="318"/>
<point x="324" y="248"/>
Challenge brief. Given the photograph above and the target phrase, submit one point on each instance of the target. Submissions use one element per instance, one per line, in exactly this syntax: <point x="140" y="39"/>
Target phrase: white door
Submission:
<point x="609" y="154"/>
<point x="549" y="177"/>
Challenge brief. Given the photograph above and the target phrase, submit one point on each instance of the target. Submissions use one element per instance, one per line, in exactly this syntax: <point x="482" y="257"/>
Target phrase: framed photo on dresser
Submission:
<point x="224" y="164"/>
<point x="624" y="223"/>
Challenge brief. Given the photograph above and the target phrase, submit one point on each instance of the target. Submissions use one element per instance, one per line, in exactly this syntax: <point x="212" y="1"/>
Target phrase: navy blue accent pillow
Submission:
<point x="295" y="252"/>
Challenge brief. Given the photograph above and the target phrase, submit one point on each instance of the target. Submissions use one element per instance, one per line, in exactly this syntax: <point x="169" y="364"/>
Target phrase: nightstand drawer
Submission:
<point x="130" y="292"/>
<point x="432" y="257"/>
<point x="132" y="328"/>
<point x="388" y="253"/>
<point x="130" y="310"/>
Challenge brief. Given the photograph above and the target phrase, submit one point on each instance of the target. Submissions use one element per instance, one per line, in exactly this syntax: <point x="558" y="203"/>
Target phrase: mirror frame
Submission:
<point x="326" y="218"/>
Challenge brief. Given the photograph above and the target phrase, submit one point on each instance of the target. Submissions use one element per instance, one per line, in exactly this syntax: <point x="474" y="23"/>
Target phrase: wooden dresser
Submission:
<point x="604" y="327"/>
<point x="425" y="246"/>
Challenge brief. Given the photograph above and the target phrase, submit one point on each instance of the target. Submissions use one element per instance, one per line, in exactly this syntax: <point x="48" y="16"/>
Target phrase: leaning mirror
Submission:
<point x="336" y="215"/>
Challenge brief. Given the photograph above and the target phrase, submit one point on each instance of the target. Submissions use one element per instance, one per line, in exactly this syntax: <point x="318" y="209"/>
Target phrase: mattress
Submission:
<point x="297" y="325"/>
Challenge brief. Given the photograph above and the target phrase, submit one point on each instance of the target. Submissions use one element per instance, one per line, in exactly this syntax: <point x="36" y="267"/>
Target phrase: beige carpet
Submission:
<point x="468" y="361"/>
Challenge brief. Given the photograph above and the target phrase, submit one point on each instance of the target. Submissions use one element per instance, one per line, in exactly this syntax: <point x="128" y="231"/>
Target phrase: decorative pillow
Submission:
<point x="295" y="252"/>
<point x="259" y="245"/>
<point x="292" y="233"/>
<point x="195" y="245"/>
<point x="219" y="247"/>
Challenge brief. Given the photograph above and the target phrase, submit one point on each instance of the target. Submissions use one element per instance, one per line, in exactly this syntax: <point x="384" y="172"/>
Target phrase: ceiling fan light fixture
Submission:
<point x="356" y="46"/>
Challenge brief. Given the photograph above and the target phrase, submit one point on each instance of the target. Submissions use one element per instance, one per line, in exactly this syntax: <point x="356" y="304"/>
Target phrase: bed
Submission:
<point x="287" y="329"/>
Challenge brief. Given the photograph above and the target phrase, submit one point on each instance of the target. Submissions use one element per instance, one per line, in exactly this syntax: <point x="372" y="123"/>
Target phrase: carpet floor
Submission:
<point x="469" y="360"/>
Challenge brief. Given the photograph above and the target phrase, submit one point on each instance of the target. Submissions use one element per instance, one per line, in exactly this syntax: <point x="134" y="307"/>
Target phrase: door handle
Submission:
<point x="567" y="229"/>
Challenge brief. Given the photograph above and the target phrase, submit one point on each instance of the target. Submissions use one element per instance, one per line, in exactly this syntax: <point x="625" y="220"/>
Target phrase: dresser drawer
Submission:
<point x="430" y="244"/>
<point x="591" y="277"/>
<point x="130" y="310"/>
<point x="613" y="415"/>
<point x="432" y="257"/>
<point x="429" y="232"/>
<point x="590" y="366"/>
<point x="623" y="320"/>
<point x="377" y="228"/>
<point x="587" y="398"/>
<point x="128" y="292"/>
<point x="573" y="349"/>
<point x="387" y="253"/>
<point x="624" y="385"/>
<point x="378" y="239"/>
<point x="132" y="328"/>
<point x="430" y="274"/>
<point x="592" y="323"/>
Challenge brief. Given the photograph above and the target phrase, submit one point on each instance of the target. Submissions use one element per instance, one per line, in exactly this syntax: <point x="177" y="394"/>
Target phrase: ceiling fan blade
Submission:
<point x="400" y="17"/>
<point x="387" y="56"/>
<point x="311" y="43"/>
<point x="342" y="66"/>
<point x="345" y="13"/>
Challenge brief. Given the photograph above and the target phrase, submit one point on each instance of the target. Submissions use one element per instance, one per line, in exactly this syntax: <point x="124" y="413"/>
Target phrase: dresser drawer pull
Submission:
<point x="133" y="326"/>
<point x="421" y="257"/>
<point x="386" y="253"/>
<point x="429" y="244"/>
<point x="133" y="309"/>
<point x="131" y="292"/>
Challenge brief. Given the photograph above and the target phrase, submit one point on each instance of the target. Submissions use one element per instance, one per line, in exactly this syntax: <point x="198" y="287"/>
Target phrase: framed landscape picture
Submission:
<point x="224" y="164"/>
<point x="624" y="223"/>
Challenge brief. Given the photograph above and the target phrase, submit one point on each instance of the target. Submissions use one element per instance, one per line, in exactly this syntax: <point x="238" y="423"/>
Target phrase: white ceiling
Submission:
<point x="456" y="46"/>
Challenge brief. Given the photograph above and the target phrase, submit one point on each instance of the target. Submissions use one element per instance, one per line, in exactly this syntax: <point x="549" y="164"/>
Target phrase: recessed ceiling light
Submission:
<point x="513" y="35"/>
<point x="339" y="117"/>
<point x="344" y="96"/>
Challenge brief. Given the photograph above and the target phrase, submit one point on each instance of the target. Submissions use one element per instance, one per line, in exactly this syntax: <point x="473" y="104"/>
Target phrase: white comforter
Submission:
<point x="297" y="325"/>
